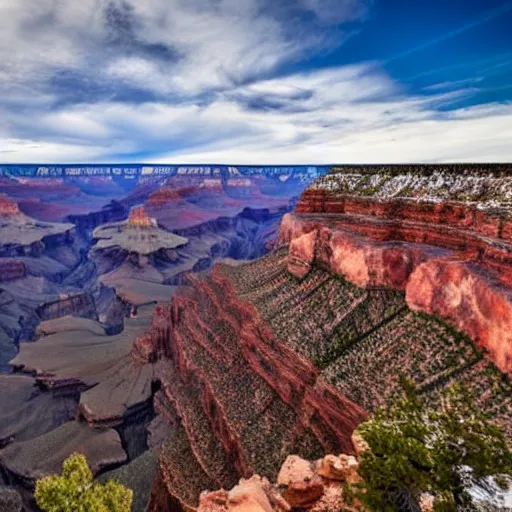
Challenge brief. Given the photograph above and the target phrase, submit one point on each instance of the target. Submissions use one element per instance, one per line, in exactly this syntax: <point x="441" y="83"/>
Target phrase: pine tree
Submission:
<point x="443" y="451"/>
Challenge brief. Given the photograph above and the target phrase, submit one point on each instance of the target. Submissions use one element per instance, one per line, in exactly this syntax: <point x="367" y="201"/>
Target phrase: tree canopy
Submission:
<point x="443" y="451"/>
<point x="75" y="490"/>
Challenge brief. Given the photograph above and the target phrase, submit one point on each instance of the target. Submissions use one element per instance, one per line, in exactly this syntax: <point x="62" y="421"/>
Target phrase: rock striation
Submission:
<point x="315" y="335"/>
<point x="214" y="355"/>
<point x="452" y="258"/>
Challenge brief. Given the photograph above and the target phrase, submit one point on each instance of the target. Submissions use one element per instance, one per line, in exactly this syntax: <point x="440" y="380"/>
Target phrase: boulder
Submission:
<point x="301" y="484"/>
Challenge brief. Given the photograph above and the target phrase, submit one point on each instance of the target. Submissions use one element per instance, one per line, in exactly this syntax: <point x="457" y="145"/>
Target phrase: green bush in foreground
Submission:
<point x="444" y="452"/>
<point x="76" y="491"/>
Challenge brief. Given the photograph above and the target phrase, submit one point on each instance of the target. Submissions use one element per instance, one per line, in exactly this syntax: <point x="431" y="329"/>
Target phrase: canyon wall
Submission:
<point x="238" y="398"/>
<point x="363" y="287"/>
<point x="452" y="259"/>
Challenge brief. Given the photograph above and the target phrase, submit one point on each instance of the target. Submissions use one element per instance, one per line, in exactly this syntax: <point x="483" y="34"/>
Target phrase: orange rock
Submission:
<point x="253" y="495"/>
<point x="140" y="219"/>
<point x="468" y="298"/>
<point x="343" y="468"/>
<point x="301" y="254"/>
<point x="8" y="207"/>
<point x="302" y="486"/>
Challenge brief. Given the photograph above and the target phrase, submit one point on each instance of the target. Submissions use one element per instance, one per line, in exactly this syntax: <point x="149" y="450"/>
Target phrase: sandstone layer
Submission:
<point x="453" y="259"/>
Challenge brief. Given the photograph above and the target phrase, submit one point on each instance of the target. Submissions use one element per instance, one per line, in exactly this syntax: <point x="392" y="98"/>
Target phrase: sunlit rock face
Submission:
<point x="440" y="236"/>
<point x="8" y="208"/>
<point x="139" y="219"/>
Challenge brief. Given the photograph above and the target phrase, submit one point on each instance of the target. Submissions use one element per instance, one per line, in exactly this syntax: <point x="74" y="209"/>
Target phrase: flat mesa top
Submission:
<point x="23" y="230"/>
<point x="484" y="187"/>
<point x="142" y="239"/>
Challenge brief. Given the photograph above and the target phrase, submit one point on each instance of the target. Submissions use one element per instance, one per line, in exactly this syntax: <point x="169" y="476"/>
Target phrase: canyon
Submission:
<point x="83" y="261"/>
<point x="198" y="332"/>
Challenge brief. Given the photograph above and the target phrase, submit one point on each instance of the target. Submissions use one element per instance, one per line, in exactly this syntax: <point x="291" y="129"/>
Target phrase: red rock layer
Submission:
<point x="138" y="218"/>
<point x="12" y="269"/>
<point x="450" y="214"/>
<point x="452" y="260"/>
<point x="8" y="207"/>
<point x="166" y="195"/>
<point x="242" y="400"/>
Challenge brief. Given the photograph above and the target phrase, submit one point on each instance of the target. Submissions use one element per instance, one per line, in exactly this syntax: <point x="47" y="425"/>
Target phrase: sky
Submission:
<point x="255" y="81"/>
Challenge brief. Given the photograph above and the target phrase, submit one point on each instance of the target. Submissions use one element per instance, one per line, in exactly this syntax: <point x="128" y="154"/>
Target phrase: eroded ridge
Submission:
<point x="230" y="384"/>
<point x="254" y="354"/>
<point x="442" y="238"/>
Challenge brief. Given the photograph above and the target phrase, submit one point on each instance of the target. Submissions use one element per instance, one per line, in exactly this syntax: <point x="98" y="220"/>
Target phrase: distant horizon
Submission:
<point x="201" y="164"/>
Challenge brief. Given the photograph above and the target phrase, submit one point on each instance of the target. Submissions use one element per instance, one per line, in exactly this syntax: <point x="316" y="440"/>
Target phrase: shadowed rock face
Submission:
<point x="77" y="354"/>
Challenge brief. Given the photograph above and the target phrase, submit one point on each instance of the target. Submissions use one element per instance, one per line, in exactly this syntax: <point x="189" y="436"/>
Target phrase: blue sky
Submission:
<point x="255" y="81"/>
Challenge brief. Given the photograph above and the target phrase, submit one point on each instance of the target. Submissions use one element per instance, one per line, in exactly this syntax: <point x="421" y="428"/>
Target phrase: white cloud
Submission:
<point x="204" y="44"/>
<point x="202" y="63"/>
<point x="349" y="114"/>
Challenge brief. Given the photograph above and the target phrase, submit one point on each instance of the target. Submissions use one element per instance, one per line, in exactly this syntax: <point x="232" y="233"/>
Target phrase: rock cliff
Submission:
<point x="215" y="354"/>
<point x="443" y="238"/>
<point x="315" y="335"/>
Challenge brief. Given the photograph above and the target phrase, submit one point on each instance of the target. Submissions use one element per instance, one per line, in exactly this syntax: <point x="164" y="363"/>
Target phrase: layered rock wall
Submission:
<point x="239" y="398"/>
<point x="452" y="259"/>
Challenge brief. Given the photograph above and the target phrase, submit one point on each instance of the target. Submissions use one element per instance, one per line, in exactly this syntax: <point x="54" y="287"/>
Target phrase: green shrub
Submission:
<point x="76" y="491"/>
<point x="443" y="452"/>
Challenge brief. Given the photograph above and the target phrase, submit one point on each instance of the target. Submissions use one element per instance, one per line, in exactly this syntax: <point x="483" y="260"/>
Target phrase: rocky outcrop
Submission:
<point x="8" y="207"/>
<point x="76" y="356"/>
<point x="214" y="353"/>
<point x="300" y="485"/>
<point x="453" y="258"/>
<point x="139" y="219"/>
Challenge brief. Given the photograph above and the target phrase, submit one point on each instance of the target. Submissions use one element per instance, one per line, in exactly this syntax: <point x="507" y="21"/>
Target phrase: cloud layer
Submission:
<point x="206" y="81"/>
